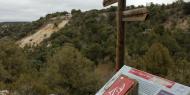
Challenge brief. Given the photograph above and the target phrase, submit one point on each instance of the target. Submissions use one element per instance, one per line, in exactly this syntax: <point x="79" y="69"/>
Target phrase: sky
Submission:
<point x="30" y="10"/>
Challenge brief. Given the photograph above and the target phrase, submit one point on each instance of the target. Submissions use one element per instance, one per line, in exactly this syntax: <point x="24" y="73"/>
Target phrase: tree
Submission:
<point x="73" y="11"/>
<point x="13" y="62"/>
<point x="180" y="71"/>
<point x="157" y="59"/>
<point x="69" y="71"/>
<point x="31" y="84"/>
<point x="186" y="8"/>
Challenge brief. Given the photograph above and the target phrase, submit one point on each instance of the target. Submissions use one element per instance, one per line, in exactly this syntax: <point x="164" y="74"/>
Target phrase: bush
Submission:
<point x="158" y="60"/>
<point x="186" y="8"/>
<point x="30" y="84"/>
<point x="13" y="62"/>
<point x="69" y="71"/>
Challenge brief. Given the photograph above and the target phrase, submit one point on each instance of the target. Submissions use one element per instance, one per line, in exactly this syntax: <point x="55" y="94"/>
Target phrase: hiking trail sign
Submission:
<point x="123" y="16"/>
<point x="135" y="14"/>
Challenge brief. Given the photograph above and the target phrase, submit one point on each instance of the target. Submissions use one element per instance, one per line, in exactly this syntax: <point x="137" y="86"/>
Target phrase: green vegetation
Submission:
<point x="13" y="63"/>
<point x="67" y="63"/>
<point x="186" y="7"/>
<point x="69" y="72"/>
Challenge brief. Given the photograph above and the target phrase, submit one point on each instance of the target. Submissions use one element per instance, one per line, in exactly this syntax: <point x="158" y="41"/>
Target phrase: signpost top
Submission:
<point x="109" y="2"/>
<point x="139" y="14"/>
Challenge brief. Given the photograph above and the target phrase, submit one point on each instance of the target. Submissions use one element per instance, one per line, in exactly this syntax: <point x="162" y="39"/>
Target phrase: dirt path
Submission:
<point x="42" y="34"/>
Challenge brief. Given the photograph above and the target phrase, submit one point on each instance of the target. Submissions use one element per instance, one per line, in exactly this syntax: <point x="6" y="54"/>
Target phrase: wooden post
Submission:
<point x="120" y="49"/>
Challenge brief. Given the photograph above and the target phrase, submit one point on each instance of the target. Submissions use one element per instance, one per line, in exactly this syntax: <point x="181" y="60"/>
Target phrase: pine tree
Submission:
<point x="157" y="59"/>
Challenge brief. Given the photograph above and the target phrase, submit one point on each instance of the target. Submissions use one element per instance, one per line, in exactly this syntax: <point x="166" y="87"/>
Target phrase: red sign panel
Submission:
<point x="120" y="87"/>
<point x="150" y="77"/>
<point x="141" y="74"/>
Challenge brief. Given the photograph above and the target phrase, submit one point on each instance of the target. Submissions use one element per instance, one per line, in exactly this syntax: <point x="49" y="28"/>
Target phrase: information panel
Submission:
<point x="148" y="84"/>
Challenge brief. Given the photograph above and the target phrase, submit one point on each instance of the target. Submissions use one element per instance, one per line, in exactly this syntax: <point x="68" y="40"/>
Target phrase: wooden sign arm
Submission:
<point x="133" y="12"/>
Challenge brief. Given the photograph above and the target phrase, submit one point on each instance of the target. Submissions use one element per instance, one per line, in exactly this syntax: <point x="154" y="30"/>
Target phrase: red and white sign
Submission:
<point x="141" y="74"/>
<point x="120" y="87"/>
<point x="155" y="79"/>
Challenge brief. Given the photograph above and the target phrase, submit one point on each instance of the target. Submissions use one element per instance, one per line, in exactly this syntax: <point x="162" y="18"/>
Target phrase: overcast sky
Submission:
<point x="30" y="10"/>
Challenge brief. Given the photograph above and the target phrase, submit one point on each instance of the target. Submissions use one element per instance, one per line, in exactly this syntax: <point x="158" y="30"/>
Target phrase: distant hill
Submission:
<point x="10" y="24"/>
<point x="18" y="30"/>
<point x="13" y="23"/>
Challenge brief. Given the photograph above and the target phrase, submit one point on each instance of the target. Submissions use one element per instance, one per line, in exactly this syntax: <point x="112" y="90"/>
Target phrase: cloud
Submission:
<point x="29" y="10"/>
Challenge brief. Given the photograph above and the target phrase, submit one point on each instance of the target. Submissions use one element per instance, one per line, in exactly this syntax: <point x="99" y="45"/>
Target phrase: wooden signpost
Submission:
<point x="122" y="17"/>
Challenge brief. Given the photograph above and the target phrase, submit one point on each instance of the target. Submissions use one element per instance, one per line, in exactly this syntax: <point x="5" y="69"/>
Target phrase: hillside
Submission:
<point x="77" y="58"/>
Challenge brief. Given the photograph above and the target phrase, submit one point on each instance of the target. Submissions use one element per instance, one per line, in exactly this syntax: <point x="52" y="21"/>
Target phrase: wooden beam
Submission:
<point x="134" y="12"/>
<point x="120" y="47"/>
<point x="141" y="17"/>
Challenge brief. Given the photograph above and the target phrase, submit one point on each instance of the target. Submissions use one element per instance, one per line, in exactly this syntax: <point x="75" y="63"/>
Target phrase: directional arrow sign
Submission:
<point x="139" y="14"/>
<point x="109" y="2"/>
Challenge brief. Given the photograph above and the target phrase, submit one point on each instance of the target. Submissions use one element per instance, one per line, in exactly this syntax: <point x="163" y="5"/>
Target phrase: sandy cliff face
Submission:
<point x="43" y="33"/>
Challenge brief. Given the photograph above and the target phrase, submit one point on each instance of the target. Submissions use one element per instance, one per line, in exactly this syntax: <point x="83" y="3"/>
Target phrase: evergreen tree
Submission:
<point x="158" y="59"/>
<point x="69" y="71"/>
